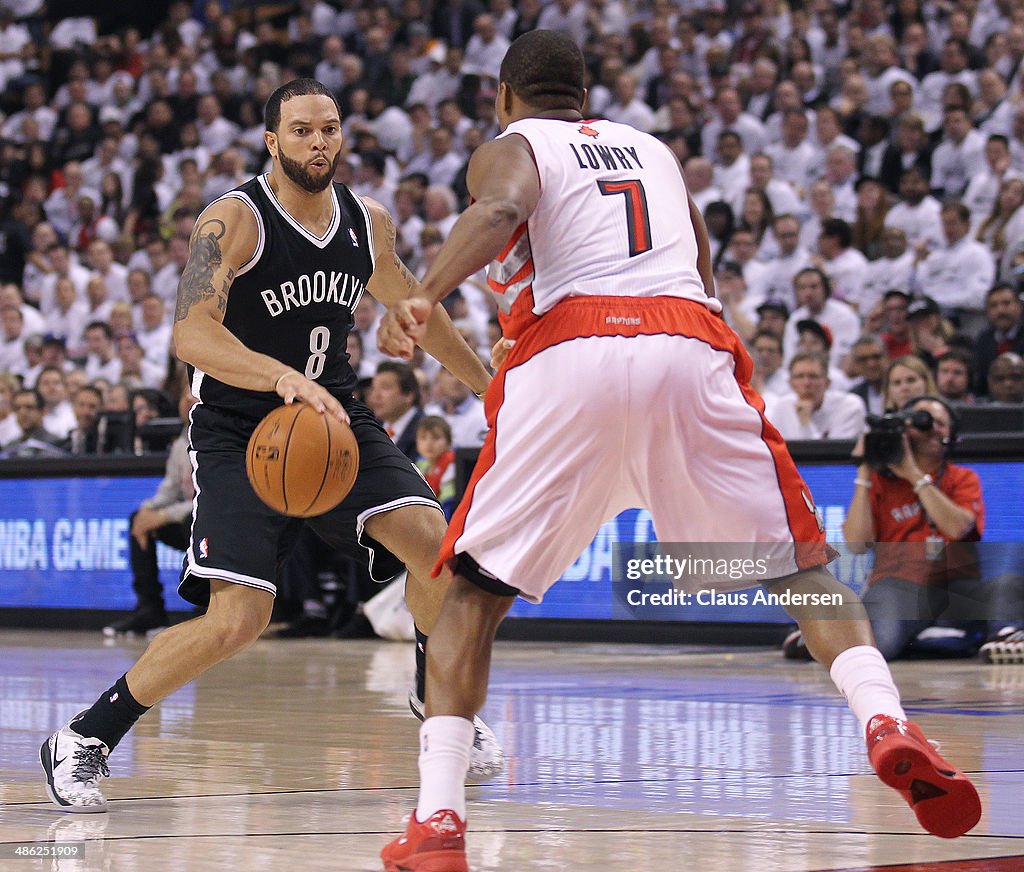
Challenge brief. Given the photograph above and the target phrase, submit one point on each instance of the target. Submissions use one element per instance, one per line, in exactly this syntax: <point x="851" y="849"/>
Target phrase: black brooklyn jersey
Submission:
<point x="294" y="299"/>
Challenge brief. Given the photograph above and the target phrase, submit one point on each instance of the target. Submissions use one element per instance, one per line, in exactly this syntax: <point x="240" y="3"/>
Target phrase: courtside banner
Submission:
<point x="64" y="544"/>
<point x="596" y="586"/>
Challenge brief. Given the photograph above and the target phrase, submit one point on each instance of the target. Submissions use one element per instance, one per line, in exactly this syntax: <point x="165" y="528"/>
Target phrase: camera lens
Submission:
<point x="921" y="420"/>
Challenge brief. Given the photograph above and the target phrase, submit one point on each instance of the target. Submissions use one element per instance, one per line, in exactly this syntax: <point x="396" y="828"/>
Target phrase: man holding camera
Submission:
<point x="921" y="514"/>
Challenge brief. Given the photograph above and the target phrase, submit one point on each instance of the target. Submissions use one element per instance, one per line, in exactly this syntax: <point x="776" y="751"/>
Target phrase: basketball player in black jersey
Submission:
<point x="264" y="308"/>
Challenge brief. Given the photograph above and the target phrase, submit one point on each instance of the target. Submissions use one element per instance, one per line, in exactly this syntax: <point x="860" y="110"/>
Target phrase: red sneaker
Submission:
<point x="436" y="845"/>
<point x="942" y="797"/>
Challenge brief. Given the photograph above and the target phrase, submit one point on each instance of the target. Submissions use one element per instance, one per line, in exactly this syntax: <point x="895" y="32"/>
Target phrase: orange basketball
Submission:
<point x="301" y="463"/>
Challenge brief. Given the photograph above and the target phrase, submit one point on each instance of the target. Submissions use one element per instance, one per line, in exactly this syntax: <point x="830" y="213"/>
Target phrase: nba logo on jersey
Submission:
<point x="353" y="237"/>
<point x="587" y="130"/>
<point x="204" y="549"/>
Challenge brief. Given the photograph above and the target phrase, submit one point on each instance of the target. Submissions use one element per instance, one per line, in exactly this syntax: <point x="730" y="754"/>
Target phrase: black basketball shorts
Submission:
<point x="237" y="538"/>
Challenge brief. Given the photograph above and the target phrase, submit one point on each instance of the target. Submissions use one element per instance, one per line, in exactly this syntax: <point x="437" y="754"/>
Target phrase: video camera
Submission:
<point x="883" y="443"/>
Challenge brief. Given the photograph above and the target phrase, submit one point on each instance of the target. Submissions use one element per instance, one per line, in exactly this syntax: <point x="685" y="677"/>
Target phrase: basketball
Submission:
<point x="301" y="463"/>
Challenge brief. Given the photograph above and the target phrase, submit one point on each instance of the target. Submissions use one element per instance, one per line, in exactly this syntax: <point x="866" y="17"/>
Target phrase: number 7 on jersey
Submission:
<point x="638" y="221"/>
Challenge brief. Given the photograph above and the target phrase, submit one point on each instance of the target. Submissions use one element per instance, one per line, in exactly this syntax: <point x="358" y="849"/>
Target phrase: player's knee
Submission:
<point x="479" y="610"/>
<point x="236" y="621"/>
<point x="233" y="636"/>
<point x="426" y="532"/>
<point x="816" y="594"/>
<point x="412" y="533"/>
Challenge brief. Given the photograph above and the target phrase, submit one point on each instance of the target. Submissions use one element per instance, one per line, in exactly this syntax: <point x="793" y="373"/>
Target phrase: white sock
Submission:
<point x="445" y="744"/>
<point x="863" y="677"/>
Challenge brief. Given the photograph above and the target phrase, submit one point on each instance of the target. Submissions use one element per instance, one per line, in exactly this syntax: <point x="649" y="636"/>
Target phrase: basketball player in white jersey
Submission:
<point x="624" y="387"/>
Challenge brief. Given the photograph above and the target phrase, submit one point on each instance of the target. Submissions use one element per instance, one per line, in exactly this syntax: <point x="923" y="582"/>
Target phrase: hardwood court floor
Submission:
<point x="301" y="755"/>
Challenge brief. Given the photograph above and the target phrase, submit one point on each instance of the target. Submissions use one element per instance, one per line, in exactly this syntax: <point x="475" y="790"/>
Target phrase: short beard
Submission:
<point x="302" y="177"/>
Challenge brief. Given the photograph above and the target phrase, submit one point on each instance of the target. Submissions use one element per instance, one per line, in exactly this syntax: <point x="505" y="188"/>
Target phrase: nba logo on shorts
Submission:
<point x="204" y="548"/>
<point x="353" y="237"/>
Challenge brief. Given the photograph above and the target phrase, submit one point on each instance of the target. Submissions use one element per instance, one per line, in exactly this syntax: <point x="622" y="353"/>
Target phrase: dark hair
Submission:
<point x="878" y="123"/>
<point x="406" y="376"/>
<point x="998" y="137"/>
<point x="1002" y="286"/>
<point x="769" y="214"/>
<point x="47" y="369"/>
<point x="32" y="392"/>
<point x="959" y="209"/>
<point x="93" y="390"/>
<point x="820" y="273"/>
<point x="375" y="159"/>
<point x="961" y="94"/>
<point x="960" y="354"/>
<point x="294" y="88"/>
<point x="960" y="43"/>
<point x="155" y="399"/>
<point x="436" y="424"/>
<point x="101" y="325"/>
<point x="838" y="229"/>
<point x="914" y="170"/>
<point x="545" y="68"/>
<point x="713" y="211"/>
<point x="769" y="334"/>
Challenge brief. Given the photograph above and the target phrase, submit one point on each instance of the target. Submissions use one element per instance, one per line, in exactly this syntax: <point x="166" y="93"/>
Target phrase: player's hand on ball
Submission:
<point x="402" y="327"/>
<point x="294" y="386"/>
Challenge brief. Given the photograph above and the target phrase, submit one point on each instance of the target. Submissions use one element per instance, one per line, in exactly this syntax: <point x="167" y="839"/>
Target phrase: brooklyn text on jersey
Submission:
<point x="340" y="288"/>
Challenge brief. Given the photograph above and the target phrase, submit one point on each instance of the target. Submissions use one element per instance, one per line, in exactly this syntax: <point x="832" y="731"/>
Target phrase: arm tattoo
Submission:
<point x="390" y="231"/>
<point x="390" y="240"/>
<point x="403" y="271"/>
<point x="205" y="259"/>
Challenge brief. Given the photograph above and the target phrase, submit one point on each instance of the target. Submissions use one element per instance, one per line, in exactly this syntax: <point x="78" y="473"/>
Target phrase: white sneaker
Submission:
<point x="486" y="759"/>
<point x="73" y="765"/>
<point x="1007" y="646"/>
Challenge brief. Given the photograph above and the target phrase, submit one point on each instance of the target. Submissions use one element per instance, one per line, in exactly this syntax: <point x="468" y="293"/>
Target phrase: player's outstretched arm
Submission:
<point x="392" y="284"/>
<point x="224" y="238"/>
<point x="502" y="179"/>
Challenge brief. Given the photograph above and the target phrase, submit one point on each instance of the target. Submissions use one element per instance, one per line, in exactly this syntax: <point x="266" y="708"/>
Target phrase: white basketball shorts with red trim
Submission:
<point x="608" y="403"/>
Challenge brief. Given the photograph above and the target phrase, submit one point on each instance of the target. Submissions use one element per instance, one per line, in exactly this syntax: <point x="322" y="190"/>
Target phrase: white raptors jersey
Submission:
<point x="613" y="220"/>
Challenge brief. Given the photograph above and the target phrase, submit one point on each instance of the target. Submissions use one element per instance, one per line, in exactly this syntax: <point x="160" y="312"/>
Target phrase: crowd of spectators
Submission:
<point x="860" y="166"/>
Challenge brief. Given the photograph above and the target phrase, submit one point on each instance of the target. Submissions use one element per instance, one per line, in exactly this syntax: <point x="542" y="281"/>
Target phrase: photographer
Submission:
<point x="921" y="515"/>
